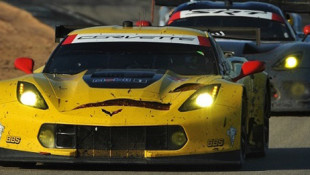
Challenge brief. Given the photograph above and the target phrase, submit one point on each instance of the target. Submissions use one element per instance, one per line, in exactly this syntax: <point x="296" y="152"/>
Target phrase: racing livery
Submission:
<point x="258" y="31"/>
<point x="145" y="95"/>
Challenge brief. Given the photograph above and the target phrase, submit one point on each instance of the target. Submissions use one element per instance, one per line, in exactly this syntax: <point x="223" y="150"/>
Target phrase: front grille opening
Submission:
<point x="65" y="141"/>
<point x="119" y="139"/>
<point x="65" y="136"/>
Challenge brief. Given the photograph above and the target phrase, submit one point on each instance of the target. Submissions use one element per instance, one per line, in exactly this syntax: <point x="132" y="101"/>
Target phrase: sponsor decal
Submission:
<point x="232" y="132"/>
<point x="226" y="12"/>
<point x="69" y="39"/>
<point x="119" y="80"/>
<point x="203" y="41"/>
<point x="216" y="142"/>
<point x="219" y="33"/>
<point x="1" y="130"/>
<point x="153" y="38"/>
<point x="13" y="139"/>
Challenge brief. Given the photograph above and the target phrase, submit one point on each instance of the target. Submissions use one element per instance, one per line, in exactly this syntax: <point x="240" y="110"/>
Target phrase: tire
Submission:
<point x="243" y="139"/>
<point x="264" y="130"/>
<point x="18" y="164"/>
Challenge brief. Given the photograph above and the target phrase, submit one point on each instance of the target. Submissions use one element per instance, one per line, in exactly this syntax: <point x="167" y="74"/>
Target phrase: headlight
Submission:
<point x="28" y="98"/>
<point x="203" y="98"/>
<point x="289" y="62"/>
<point x="47" y="135"/>
<point x="178" y="138"/>
<point x="29" y="95"/>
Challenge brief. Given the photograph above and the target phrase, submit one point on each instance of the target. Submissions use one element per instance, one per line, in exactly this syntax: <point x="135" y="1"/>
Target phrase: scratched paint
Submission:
<point x="1" y="130"/>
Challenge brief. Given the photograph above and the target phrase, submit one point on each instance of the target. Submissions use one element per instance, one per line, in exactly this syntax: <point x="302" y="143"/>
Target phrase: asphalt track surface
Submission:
<point x="289" y="147"/>
<point x="289" y="153"/>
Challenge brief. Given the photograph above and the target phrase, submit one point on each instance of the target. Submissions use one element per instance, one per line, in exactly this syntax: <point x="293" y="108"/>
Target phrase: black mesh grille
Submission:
<point x="131" y="138"/>
<point x="117" y="141"/>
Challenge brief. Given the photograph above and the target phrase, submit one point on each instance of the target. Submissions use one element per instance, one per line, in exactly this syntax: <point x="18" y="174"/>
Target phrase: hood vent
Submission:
<point x="122" y="75"/>
<point x="121" y="79"/>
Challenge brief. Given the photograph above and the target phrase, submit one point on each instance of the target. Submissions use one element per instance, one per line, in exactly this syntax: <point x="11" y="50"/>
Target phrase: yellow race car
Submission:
<point x="145" y="95"/>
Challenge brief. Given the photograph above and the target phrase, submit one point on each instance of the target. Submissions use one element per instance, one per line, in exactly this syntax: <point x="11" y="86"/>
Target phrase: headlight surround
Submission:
<point x="289" y="62"/>
<point x="28" y="94"/>
<point x="202" y="98"/>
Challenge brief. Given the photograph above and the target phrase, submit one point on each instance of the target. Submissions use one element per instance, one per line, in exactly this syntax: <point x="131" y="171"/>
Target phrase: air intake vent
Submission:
<point x="122" y="75"/>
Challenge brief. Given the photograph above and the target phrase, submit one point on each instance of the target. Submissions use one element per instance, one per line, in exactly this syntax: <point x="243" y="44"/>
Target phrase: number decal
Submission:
<point x="13" y="139"/>
<point x="215" y="142"/>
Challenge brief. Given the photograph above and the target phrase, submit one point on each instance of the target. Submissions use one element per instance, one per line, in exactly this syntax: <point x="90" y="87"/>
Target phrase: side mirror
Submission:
<point x="249" y="68"/>
<point x="24" y="64"/>
<point x="306" y="31"/>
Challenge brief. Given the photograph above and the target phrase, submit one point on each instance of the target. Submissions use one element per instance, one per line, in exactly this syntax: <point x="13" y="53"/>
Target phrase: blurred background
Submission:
<point x="17" y="18"/>
<point x="90" y="11"/>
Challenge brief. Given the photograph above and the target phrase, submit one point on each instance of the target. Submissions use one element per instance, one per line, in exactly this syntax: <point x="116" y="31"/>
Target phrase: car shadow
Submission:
<point x="280" y="159"/>
<point x="276" y="159"/>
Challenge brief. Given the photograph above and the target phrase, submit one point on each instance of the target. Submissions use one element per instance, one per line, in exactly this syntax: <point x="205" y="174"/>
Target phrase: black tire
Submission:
<point x="18" y="164"/>
<point x="243" y="139"/>
<point x="264" y="138"/>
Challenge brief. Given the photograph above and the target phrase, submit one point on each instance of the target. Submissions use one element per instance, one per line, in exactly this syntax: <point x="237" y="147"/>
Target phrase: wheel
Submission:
<point x="243" y="139"/>
<point x="264" y="130"/>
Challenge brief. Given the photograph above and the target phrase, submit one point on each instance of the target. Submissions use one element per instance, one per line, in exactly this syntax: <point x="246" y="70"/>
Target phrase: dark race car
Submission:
<point x="258" y="31"/>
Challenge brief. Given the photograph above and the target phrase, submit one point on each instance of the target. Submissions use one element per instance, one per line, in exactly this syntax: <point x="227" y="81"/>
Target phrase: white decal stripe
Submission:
<point x="225" y="12"/>
<point x="180" y="39"/>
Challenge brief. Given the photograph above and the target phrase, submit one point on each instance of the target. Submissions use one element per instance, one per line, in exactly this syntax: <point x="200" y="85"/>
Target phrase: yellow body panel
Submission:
<point x="199" y="125"/>
<point x="141" y="30"/>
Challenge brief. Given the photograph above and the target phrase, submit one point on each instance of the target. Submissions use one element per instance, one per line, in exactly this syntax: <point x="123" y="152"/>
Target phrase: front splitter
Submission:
<point x="229" y="158"/>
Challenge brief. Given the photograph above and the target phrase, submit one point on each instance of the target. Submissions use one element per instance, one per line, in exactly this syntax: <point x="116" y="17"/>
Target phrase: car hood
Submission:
<point x="120" y="88"/>
<point x="245" y="47"/>
<point x="269" y="52"/>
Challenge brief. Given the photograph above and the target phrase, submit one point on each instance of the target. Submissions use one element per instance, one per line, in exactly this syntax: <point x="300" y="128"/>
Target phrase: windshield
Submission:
<point x="182" y="59"/>
<point x="270" y="30"/>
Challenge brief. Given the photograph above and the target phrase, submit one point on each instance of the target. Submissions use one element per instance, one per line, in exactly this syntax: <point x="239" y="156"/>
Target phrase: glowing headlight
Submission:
<point x="28" y="98"/>
<point x="204" y="100"/>
<point x="291" y="62"/>
<point x="28" y="94"/>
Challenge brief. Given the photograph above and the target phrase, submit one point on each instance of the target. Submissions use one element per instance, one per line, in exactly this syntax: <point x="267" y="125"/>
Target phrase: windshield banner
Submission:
<point x="127" y="37"/>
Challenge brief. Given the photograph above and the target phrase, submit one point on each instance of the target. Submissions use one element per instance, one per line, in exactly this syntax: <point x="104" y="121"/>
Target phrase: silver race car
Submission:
<point x="259" y="31"/>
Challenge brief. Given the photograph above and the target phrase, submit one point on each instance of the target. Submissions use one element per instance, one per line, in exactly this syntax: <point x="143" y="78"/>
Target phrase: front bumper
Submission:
<point x="290" y="97"/>
<point x="206" y="131"/>
<point x="227" y="158"/>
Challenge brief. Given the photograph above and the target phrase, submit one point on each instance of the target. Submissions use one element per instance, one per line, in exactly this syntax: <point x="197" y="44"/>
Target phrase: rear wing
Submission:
<point x="234" y="33"/>
<point x="293" y="6"/>
<point x="62" y="31"/>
